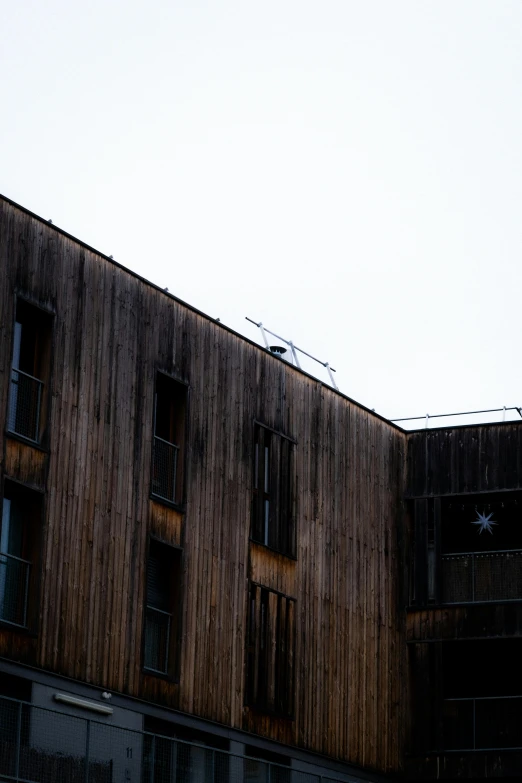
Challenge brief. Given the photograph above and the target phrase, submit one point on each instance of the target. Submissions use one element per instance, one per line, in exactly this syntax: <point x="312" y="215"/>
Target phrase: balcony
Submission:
<point x="25" y="402"/>
<point x="472" y="577"/>
<point x="485" y="723"/>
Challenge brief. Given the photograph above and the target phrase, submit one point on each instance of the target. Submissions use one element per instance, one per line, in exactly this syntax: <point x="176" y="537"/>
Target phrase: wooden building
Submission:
<point x="204" y="547"/>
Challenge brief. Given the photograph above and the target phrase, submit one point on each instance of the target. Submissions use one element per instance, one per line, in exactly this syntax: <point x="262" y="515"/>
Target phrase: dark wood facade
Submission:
<point x="464" y="622"/>
<point x="112" y="332"/>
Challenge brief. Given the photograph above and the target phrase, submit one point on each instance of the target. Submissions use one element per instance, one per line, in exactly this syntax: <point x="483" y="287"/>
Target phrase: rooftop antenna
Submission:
<point x="279" y="350"/>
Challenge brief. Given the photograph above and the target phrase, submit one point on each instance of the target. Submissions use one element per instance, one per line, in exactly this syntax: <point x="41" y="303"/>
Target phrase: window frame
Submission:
<point x="172" y="673"/>
<point x="427" y="550"/>
<point x="274" y="497"/>
<point x="41" y="443"/>
<point x="34" y="499"/>
<point x="284" y="668"/>
<point x="181" y="459"/>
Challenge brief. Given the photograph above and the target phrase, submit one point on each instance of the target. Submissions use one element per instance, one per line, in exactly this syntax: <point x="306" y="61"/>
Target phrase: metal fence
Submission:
<point x="14" y="585"/>
<point x="40" y="745"/>
<point x="487" y="723"/>
<point x="468" y="577"/>
<point x="164" y="469"/>
<point x="25" y="401"/>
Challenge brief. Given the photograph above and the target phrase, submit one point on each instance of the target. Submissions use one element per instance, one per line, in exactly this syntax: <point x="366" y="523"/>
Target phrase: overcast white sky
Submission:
<point x="347" y="171"/>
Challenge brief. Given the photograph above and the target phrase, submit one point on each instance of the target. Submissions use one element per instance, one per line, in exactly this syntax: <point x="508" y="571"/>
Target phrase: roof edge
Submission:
<point x="195" y="310"/>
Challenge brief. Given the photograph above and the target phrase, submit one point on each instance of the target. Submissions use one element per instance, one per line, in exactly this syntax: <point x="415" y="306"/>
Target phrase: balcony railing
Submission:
<point x="486" y="723"/>
<point x="470" y="577"/>
<point x="41" y="745"/>
<point x="25" y="402"/>
<point x="14" y="587"/>
<point x="157" y="640"/>
<point x="164" y="469"/>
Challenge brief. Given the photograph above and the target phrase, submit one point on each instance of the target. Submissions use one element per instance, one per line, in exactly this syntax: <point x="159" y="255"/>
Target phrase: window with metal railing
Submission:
<point x="481" y="690"/>
<point x="481" y="548"/>
<point x="169" y="439"/>
<point x="18" y="551"/>
<point x="30" y="371"/>
<point x="483" y="723"/>
<point x="162" y="609"/>
<point x="467" y="549"/>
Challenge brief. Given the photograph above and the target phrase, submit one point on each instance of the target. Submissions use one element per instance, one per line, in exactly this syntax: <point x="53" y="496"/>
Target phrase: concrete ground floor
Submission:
<point x="57" y="729"/>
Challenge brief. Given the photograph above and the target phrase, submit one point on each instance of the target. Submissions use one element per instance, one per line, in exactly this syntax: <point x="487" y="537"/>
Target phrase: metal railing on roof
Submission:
<point x="428" y="416"/>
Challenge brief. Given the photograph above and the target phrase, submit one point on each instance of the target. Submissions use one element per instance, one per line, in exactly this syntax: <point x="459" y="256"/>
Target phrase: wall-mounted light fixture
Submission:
<point x="83" y="704"/>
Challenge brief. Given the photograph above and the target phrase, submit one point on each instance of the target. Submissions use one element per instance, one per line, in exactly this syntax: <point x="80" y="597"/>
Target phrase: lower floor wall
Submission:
<point x="53" y="729"/>
<point x="470" y="767"/>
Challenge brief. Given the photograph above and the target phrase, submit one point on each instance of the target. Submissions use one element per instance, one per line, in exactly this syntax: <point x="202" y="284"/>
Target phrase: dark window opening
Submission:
<point x="169" y="439"/>
<point x="271" y="651"/>
<point x="168" y="728"/>
<point x="179" y="762"/>
<point x="272" y="506"/>
<point x="481" y="541"/>
<point x="482" y="668"/>
<point x="482" y="694"/>
<point x="19" y="555"/>
<point x="14" y="717"/>
<point x="30" y="372"/>
<point x="264" y="766"/>
<point x="467" y="549"/>
<point x="162" y="609"/>
<point x="462" y="531"/>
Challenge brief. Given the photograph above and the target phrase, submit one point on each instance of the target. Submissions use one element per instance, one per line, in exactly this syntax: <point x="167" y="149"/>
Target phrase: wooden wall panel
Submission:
<point x="112" y="333"/>
<point x="272" y="570"/>
<point x="465" y="460"/>
<point x="474" y="621"/>
<point x="25" y="463"/>
<point x="165" y="523"/>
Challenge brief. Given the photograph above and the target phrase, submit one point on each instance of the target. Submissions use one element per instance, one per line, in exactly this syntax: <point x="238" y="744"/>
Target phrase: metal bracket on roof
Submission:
<point x="293" y="350"/>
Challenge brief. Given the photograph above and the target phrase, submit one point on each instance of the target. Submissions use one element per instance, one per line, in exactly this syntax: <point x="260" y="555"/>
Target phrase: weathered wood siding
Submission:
<point x="478" y="621"/>
<point x="442" y="464"/>
<point x="27" y="463"/>
<point x="465" y="459"/>
<point x="112" y="332"/>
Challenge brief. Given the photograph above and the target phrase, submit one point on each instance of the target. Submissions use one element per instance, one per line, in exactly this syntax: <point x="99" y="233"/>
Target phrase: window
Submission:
<point x="481" y="704"/>
<point x="162" y="609"/>
<point x="263" y="766"/>
<point x="30" y="371"/>
<point x="468" y="549"/>
<point x="169" y="439"/>
<point x="168" y="756"/>
<point x="15" y="718"/>
<point x="272" y="506"/>
<point x="19" y="551"/>
<point x="270" y="651"/>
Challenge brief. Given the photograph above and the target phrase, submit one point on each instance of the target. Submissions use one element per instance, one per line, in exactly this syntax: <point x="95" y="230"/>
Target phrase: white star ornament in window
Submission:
<point x="484" y="522"/>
